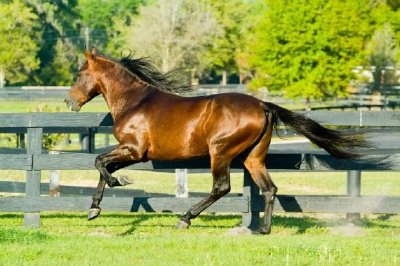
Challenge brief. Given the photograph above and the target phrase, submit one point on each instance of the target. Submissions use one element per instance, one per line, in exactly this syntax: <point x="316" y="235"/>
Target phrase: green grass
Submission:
<point x="12" y="106"/>
<point x="306" y="183"/>
<point x="151" y="239"/>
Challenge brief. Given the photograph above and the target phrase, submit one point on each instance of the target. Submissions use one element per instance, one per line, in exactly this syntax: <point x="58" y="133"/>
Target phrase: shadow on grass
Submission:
<point x="381" y="222"/>
<point x="212" y="221"/>
<point x="302" y="224"/>
<point x="139" y="219"/>
<point x="11" y="215"/>
<point x="206" y="221"/>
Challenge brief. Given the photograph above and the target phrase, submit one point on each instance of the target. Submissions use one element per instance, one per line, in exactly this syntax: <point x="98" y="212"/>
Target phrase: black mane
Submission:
<point x="147" y="72"/>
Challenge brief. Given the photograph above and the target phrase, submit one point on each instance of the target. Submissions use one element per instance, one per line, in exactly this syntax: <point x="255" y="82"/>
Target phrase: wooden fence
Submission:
<point x="249" y="203"/>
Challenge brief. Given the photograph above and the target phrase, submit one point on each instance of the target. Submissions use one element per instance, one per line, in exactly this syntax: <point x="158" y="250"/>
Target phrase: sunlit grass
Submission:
<point x="151" y="239"/>
<point x="12" y="106"/>
<point x="306" y="183"/>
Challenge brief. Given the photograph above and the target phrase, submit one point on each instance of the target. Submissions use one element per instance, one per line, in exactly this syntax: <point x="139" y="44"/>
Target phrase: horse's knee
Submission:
<point x="99" y="162"/>
<point x="225" y="189"/>
<point x="270" y="195"/>
<point x="221" y="190"/>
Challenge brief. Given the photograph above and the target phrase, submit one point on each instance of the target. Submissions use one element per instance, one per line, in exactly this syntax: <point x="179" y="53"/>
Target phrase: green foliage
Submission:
<point x="49" y="141"/>
<point x="304" y="48"/>
<point x="221" y="54"/>
<point x="308" y="48"/>
<point x="174" y="33"/>
<point x="106" y="23"/>
<point x="382" y="52"/>
<point x="61" y="71"/>
<point x="59" y="37"/>
<point x="19" y="30"/>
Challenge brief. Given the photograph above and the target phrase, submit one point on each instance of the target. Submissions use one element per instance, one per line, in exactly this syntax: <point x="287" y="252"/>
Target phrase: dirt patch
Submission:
<point x="348" y="229"/>
<point x="239" y="231"/>
<point x="99" y="234"/>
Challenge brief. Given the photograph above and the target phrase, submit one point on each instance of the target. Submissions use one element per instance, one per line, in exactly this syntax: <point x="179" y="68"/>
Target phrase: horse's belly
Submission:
<point x="176" y="151"/>
<point x="177" y="144"/>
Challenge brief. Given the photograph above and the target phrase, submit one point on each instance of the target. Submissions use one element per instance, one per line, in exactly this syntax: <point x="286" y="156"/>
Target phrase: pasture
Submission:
<point x="151" y="239"/>
<point x="15" y="106"/>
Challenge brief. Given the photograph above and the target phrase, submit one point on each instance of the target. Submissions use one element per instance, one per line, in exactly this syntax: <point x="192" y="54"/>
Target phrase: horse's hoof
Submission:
<point x="182" y="225"/>
<point x="124" y="180"/>
<point x="265" y="231"/>
<point x="93" y="213"/>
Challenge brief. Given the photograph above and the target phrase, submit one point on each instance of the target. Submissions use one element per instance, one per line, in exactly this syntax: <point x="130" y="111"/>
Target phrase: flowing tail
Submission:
<point x="338" y="144"/>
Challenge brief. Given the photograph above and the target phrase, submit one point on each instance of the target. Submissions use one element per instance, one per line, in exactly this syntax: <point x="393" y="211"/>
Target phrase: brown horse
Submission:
<point x="152" y="123"/>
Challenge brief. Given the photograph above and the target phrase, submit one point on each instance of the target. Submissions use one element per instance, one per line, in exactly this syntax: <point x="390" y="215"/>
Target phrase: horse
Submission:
<point x="153" y="122"/>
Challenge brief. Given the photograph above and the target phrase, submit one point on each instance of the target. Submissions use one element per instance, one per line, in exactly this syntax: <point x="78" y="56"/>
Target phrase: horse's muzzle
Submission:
<point x="72" y="104"/>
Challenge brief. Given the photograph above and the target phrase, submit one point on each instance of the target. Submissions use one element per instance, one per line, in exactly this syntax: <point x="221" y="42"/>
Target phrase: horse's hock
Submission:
<point x="33" y="160"/>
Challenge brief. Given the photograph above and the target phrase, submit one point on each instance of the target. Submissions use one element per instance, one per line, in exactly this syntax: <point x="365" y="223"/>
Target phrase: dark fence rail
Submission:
<point x="305" y="158"/>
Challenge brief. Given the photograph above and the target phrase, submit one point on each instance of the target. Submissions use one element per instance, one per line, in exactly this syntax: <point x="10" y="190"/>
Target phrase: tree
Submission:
<point x="382" y="52"/>
<point x="173" y="32"/>
<point x="60" y="71"/>
<point x="18" y="41"/>
<point x="105" y="20"/>
<point x="59" y="24"/>
<point x="309" y="48"/>
<point x="221" y="54"/>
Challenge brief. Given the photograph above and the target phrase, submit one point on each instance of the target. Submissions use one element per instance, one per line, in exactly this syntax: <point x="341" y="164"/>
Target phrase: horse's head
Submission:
<point x="86" y="86"/>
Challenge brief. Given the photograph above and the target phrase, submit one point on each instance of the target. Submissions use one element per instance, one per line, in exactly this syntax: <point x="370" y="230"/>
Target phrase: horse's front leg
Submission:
<point x="98" y="195"/>
<point x="107" y="164"/>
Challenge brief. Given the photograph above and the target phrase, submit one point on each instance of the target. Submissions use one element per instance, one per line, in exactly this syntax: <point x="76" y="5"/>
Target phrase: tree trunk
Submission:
<point x="224" y="78"/>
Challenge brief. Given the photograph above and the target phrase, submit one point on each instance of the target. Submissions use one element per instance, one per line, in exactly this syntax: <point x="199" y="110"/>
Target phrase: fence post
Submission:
<point x="106" y="140"/>
<point x="88" y="141"/>
<point x="32" y="187"/>
<point x="250" y="219"/>
<point x="353" y="191"/>
<point x="181" y="183"/>
<point x="21" y="140"/>
<point x="54" y="180"/>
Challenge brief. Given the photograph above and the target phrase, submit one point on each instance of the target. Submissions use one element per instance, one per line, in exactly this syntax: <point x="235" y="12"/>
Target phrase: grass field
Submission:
<point x="12" y="106"/>
<point x="151" y="239"/>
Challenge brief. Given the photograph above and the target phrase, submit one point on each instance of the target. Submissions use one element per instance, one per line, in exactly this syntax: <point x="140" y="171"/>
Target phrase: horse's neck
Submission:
<point x="123" y="93"/>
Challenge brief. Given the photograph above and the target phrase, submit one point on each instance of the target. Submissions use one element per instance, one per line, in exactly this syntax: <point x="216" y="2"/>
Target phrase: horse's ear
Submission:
<point x="88" y="55"/>
<point x="94" y="51"/>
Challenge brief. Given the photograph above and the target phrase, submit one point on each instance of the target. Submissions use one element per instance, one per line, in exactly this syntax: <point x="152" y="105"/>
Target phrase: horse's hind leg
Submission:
<point x="221" y="186"/>
<point x="261" y="177"/>
<point x="255" y="164"/>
